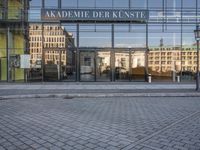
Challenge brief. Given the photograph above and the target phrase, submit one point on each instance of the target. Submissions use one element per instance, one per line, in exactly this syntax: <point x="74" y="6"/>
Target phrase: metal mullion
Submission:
<point x="77" y="54"/>
<point x="130" y="64"/>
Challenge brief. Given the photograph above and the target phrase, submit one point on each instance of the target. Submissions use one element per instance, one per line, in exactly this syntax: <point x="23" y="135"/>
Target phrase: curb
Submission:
<point x="99" y="95"/>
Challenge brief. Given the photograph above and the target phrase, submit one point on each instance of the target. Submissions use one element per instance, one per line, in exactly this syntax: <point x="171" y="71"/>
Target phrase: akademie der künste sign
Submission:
<point x="94" y="14"/>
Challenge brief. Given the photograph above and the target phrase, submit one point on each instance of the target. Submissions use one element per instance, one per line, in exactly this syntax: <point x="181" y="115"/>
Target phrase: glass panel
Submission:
<point x="34" y="13"/>
<point x="104" y="3"/>
<point x="189" y="4"/>
<point x="164" y="60"/>
<point x="103" y="66"/>
<point x="174" y="4"/>
<point x="86" y="3"/>
<point x="198" y="1"/>
<point x="35" y="3"/>
<point x="121" y="65"/>
<point x="3" y="55"/>
<point x="87" y="65"/>
<point x="138" y="3"/>
<point x="52" y="68"/>
<point x="137" y="65"/>
<point x="69" y="65"/>
<point x="95" y="36"/>
<point x="130" y="36"/>
<point x="69" y="3"/>
<point x="3" y="68"/>
<point x="189" y="54"/>
<point x="51" y="4"/>
<point x="155" y="4"/>
<point x="120" y="3"/>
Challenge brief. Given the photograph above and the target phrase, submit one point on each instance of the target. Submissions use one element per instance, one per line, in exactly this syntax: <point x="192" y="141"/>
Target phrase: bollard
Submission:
<point x="149" y="78"/>
<point x="178" y="79"/>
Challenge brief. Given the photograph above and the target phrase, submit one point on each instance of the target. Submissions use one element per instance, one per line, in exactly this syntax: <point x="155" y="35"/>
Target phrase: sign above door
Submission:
<point x="94" y="15"/>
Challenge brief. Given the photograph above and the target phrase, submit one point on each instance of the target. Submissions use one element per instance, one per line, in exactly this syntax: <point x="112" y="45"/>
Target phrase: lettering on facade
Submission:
<point x="94" y="15"/>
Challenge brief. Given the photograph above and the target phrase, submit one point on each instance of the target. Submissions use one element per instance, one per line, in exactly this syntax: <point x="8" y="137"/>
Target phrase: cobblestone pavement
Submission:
<point x="100" y="123"/>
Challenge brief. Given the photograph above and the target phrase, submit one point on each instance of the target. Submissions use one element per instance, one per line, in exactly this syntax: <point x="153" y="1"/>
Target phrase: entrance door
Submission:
<point x="122" y="65"/>
<point x="103" y="72"/>
<point x="87" y="66"/>
<point x="137" y="72"/>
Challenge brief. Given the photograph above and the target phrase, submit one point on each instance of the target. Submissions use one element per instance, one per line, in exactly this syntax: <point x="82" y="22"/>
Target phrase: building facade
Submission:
<point x="13" y="38"/>
<point x="114" y="40"/>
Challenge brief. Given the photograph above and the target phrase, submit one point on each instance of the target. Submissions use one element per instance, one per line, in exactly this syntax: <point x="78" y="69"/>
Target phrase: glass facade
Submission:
<point x="13" y="39"/>
<point x="163" y="46"/>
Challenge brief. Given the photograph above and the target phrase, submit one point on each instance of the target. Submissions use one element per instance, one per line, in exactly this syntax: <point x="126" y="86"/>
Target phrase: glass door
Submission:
<point x="137" y="72"/>
<point x="103" y="66"/>
<point x="87" y="66"/>
<point x="122" y="65"/>
<point x="52" y="65"/>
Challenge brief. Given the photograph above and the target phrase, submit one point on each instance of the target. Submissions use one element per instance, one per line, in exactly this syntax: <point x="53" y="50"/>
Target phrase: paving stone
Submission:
<point x="101" y="123"/>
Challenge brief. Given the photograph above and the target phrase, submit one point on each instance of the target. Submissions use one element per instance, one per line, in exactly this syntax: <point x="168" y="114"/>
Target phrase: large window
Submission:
<point x="92" y="35"/>
<point x="164" y="60"/>
<point x="189" y="55"/>
<point x="130" y="36"/>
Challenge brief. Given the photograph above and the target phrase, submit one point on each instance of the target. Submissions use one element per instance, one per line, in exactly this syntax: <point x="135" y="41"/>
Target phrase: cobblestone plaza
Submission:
<point x="100" y="123"/>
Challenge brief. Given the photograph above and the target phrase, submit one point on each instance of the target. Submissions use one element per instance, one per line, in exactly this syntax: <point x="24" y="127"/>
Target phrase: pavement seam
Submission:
<point x="151" y="147"/>
<point x="140" y="142"/>
<point x="99" y="95"/>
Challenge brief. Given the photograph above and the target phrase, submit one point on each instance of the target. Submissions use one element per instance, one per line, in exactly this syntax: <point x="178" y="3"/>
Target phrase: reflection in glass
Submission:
<point x="138" y="3"/>
<point x="189" y="54"/>
<point x="122" y="65"/>
<point x="95" y="35"/>
<point x="164" y="57"/>
<point x="137" y="65"/>
<point x="69" y="3"/>
<point x="51" y="3"/>
<point x="103" y="66"/>
<point x="52" y="66"/>
<point x="87" y="65"/>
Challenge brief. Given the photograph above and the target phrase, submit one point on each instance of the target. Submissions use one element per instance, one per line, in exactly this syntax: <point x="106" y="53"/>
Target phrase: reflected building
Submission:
<point x="168" y="60"/>
<point x="111" y="47"/>
<point x="51" y="49"/>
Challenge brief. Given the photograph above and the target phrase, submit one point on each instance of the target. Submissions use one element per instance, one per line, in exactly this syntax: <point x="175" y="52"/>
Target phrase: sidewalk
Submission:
<point x="96" y="89"/>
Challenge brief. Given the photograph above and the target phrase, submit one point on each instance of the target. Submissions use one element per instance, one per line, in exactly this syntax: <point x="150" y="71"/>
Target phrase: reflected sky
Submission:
<point x="126" y="36"/>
